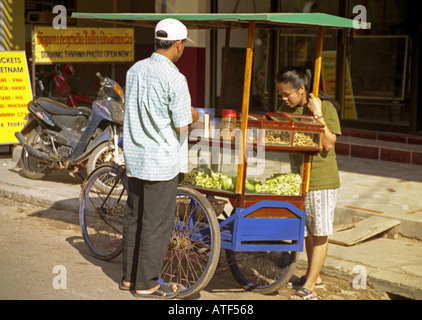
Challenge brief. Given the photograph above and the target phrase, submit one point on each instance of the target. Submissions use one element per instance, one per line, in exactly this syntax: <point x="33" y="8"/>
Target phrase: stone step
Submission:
<point x="380" y="146"/>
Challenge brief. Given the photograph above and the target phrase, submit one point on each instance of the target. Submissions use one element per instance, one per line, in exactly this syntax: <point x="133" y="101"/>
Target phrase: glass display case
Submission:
<point x="289" y="131"/>
<point x="302" y="120"/>
<point x="276" y="146"/>
<point x="215" y="167"/>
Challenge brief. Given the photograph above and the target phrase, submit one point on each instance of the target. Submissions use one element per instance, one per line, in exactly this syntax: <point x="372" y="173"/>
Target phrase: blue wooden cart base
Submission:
<point x="242" y="233"/>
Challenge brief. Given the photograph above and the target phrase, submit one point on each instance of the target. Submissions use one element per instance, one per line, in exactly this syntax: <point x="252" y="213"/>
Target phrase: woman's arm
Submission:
<point x="315" y="106"/>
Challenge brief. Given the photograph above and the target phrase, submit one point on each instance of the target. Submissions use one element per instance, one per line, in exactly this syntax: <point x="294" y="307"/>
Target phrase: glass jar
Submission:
<point x="228" y="121"/>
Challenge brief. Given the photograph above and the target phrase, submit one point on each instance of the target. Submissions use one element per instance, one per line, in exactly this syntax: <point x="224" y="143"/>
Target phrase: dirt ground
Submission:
<point x="37" y="245"/>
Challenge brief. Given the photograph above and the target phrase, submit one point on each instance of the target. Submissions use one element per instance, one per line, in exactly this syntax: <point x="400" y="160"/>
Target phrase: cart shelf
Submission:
<point x="241" y="233"/>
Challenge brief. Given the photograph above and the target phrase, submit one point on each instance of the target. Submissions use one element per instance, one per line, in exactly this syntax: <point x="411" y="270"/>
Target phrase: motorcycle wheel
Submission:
<point x="104" y="153"/>
<point x="31" y="168"/>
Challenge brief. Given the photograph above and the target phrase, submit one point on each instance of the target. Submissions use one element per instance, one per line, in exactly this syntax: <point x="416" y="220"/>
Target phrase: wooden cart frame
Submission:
<point x="255" y="226"/>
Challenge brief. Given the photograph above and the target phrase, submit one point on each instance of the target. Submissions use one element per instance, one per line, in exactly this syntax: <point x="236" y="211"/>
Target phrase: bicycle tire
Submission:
<point x="194" y="248"/>
<point x="102" y="154"/>
<point x="262" y="272"/>
<point x="101" y="214"/>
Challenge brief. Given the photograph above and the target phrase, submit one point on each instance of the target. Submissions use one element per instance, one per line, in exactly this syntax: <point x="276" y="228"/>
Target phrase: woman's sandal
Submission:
<point x="303" y="294"/>
<point x="299" y="282"/>
<point x="163" y="292"/>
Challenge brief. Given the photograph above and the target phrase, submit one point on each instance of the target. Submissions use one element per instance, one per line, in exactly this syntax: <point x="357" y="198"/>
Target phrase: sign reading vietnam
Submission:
<point x="83" y="45"/>
<point x="15" y="94"/>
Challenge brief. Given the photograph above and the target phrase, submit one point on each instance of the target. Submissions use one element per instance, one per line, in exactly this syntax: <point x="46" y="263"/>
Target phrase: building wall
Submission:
<point x="193" y="63"/>
<point x="388" y="18"/>
<point x="12" y="25"/>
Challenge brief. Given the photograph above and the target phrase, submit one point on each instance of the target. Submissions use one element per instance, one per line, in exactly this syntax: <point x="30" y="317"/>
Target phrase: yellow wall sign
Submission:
<point x="83" y="45"/>
<point x="329" y="59"/>
<point x="15" y="94"/>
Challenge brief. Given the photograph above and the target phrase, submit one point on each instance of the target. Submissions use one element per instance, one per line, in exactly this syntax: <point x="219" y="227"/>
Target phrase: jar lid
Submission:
<point x="229" y="113"/>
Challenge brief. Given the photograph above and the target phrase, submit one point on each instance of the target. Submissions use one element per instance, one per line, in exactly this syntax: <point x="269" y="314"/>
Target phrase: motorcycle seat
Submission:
<point x="56" y="107"/>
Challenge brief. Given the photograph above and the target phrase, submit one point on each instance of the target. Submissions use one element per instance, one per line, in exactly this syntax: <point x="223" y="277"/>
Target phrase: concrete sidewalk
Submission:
<point x="369" y="188"/>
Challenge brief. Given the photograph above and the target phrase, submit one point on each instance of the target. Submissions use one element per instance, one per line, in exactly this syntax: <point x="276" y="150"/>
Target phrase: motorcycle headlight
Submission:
<point x="119" y="90"/>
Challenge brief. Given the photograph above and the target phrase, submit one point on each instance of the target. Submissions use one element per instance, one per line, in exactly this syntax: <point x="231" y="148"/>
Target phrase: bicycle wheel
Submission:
<point x="194" y="247"/>
<point x="102" y="156"/>
<point x="262" y="271"/>
<point x="101" y="214"/>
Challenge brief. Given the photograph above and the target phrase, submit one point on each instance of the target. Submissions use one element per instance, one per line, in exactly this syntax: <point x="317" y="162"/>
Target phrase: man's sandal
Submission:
<point x="303" y="294"/>
<point x="122" y="286"/>
<point x="163" y="292"/>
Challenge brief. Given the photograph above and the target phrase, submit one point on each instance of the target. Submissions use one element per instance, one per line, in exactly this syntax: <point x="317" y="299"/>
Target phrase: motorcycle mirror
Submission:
<point x="99" y="76"/>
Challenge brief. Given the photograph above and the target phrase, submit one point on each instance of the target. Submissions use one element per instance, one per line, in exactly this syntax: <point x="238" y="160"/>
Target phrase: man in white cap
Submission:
<point x="157" y="113"/>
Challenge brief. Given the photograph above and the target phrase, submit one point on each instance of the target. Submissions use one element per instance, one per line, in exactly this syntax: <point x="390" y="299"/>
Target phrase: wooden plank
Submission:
<point x="363" y="209"/>
<point x="342" y="227"/>
<point x="363" y="230"/>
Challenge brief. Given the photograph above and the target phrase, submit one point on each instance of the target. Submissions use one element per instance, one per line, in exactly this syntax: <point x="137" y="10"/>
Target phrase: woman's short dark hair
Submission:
<point x="302" y="76"/>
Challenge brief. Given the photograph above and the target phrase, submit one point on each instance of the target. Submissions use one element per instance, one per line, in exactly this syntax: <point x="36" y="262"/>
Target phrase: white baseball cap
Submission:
<point x="174" y="28"/>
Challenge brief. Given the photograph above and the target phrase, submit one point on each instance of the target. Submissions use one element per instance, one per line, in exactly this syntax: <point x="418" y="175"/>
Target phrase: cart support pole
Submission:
<point x="241" y="172"/>
<point x="318" y="62"/>
<point x="315" y="90"/>
<point x="223" y="77"/>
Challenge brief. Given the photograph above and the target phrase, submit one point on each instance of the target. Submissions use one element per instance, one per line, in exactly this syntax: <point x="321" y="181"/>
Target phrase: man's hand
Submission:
<point x="195" y="115"/>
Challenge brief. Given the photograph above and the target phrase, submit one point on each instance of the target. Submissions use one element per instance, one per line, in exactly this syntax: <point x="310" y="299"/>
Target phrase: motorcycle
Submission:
<point x="40" y="90"/>
<point x="65" y="85"/>
<point x="57" y="136"/>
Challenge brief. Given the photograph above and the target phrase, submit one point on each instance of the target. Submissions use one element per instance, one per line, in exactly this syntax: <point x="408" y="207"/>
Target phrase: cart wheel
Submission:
<point x="101" y="214"/>
<point x="262" y="271"/>
<point x="194" y="247"/>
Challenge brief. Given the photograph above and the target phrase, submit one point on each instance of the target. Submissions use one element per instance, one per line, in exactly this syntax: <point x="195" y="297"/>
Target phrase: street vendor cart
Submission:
<point x="245" y="188"/>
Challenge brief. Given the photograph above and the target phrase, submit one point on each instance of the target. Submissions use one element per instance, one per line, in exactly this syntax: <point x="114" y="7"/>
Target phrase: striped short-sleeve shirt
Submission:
<point x="157" y="101"/>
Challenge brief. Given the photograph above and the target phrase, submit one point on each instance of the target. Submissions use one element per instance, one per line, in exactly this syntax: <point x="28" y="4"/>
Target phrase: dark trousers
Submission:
<point x="147" y="228"/>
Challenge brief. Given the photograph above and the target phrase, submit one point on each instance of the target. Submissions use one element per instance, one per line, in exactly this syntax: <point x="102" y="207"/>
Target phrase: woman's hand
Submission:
<point x="315" y="105"/>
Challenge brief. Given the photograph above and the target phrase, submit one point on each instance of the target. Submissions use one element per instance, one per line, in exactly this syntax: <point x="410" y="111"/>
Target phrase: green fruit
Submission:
<point x="227" y="183"/>
<point x="249" y="187"/>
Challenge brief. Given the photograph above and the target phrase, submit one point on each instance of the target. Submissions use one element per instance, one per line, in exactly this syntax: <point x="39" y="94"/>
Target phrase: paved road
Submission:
<point x="35" y="240"/>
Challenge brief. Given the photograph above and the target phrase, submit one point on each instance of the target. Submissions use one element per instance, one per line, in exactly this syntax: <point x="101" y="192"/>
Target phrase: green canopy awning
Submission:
<point x="223" y="20"/>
